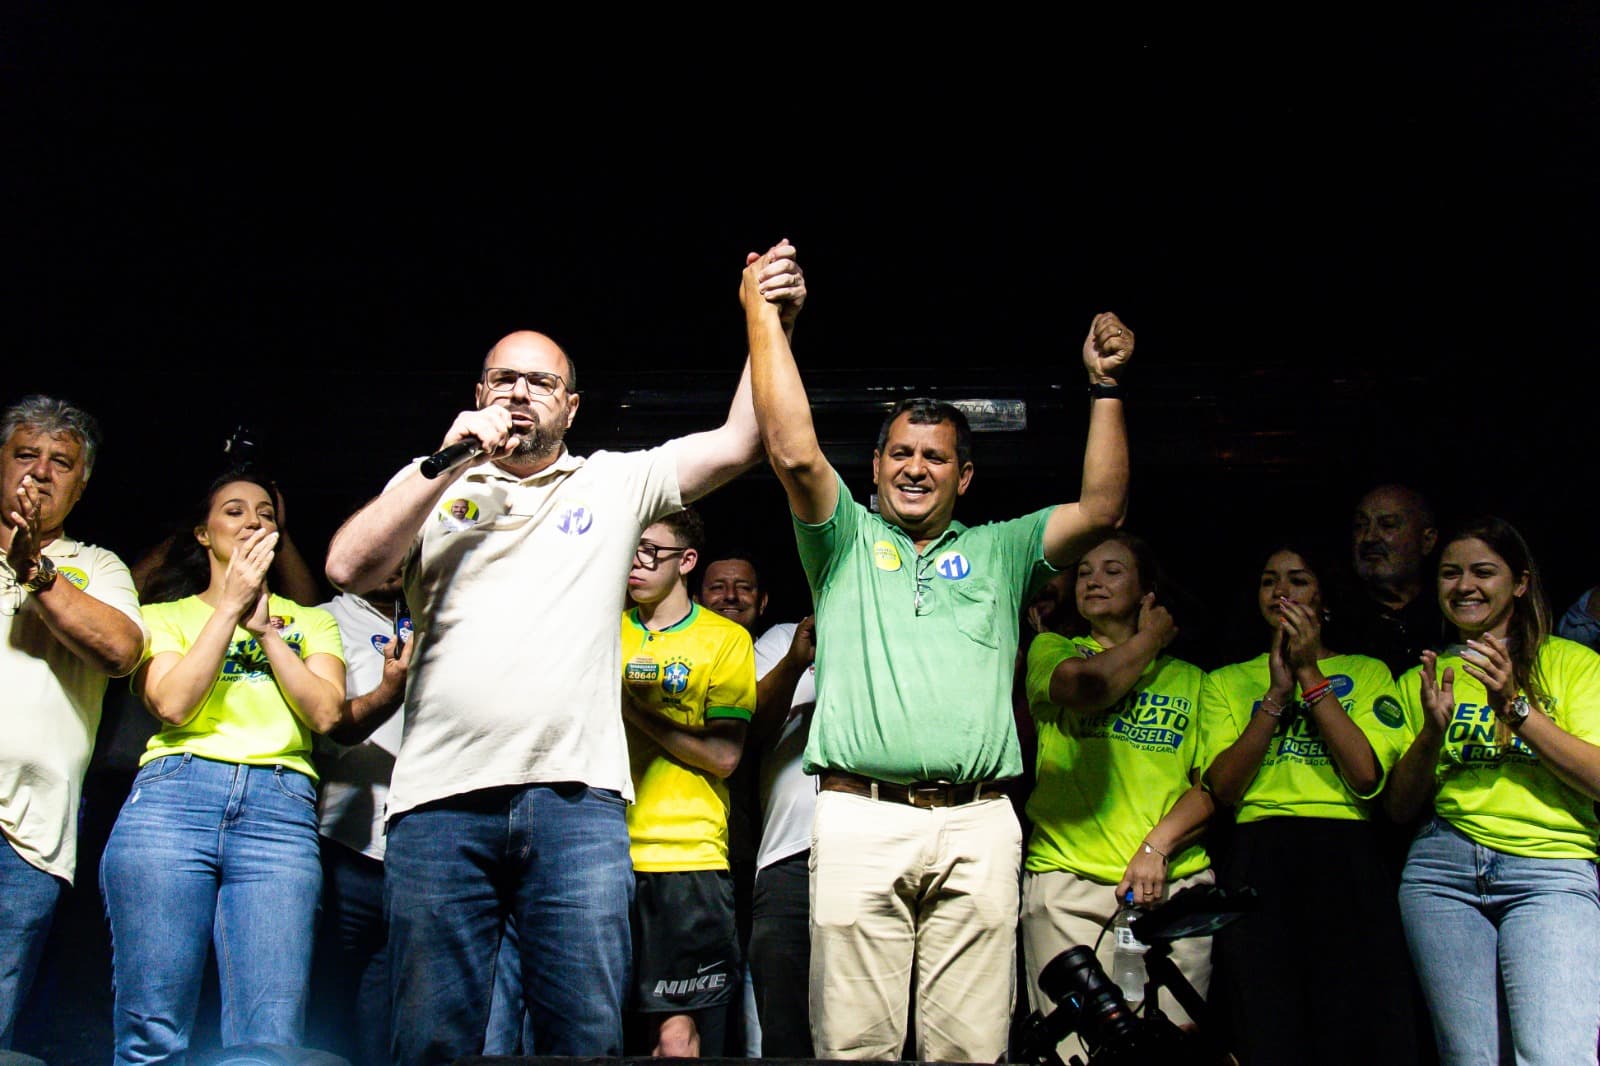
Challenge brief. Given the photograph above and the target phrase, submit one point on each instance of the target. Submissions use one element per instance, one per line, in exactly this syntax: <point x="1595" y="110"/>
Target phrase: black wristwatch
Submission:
<point x="1516" y="712"/>
<point x="1101" y="390"/>
<point x="44" y="575"/>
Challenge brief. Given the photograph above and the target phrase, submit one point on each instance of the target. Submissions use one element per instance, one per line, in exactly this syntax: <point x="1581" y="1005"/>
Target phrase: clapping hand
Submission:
<point x="1438" y="694"/>
<point x="1488" y="662"/>
<point x="244" y="583"/>
<point x="1302" y="632"/>
<point x="23" y="555"/>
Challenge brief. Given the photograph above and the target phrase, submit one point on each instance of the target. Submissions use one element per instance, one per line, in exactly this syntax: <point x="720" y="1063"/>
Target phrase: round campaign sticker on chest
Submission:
<point x="952" y="566"/>
<point x="885" y="557"/>
<point x="458" y="514"/>
<point x="575" y="519"/>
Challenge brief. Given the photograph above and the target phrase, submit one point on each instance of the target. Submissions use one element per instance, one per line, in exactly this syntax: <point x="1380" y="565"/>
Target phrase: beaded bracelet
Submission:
<point x="1309" y="698"/>
<point x="1265" y="709"/>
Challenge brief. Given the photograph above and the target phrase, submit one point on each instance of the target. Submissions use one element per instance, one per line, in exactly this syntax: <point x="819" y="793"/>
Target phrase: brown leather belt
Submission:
<point x="925" y="794"/>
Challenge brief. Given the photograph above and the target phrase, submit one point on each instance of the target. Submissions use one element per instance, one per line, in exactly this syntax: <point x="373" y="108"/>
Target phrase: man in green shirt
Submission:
<point x="916" y="858"/>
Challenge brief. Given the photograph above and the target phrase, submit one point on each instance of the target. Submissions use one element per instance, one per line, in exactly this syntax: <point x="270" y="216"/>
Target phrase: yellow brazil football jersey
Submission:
<point x="702" y="668"/>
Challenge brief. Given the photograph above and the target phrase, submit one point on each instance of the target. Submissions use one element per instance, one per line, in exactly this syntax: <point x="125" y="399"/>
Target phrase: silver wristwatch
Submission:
<point x="44" y="575"/>
<point x="1516" y="711"/>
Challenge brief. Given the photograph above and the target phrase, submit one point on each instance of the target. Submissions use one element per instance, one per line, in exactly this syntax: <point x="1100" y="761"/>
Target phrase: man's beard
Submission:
<point x="539" y="444"/>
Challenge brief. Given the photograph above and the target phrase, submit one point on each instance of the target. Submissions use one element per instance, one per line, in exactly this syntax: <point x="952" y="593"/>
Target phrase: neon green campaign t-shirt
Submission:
<point x="1506" y="798"/>
<point x="1106" y="779"/>
<point x="1297" y="778"/>
<point x="244" y="718"/>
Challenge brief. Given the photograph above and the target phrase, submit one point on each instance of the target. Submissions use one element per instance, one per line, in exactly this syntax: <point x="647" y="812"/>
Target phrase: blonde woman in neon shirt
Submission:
<point x="1306" y="735"/>
<point x="1499" y="898"/>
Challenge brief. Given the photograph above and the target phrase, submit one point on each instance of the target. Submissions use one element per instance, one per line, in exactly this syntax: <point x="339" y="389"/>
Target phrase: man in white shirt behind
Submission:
<point x="786" y="694"/>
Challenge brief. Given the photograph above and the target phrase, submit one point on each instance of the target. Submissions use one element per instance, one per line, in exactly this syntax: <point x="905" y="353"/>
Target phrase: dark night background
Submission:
<point x="1351" y="251"/>
<point x="1347" y="254"/>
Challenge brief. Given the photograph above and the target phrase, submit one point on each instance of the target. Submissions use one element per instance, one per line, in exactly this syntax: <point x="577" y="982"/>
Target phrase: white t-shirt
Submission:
<point x="515" y="586"/>
<point x="355" y="780"/>
<point x="788" y="796"/>
<point x="50" y="708"/>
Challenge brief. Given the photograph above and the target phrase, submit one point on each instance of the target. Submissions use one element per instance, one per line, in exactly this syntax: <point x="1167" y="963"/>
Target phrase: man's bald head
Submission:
<point x="532" y="379"/>
<point x="527" y="344"/>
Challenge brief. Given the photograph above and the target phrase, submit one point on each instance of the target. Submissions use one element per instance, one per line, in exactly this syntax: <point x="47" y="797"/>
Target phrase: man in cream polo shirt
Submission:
<point x="510" y="787"/>
<point x="69" y="616"/>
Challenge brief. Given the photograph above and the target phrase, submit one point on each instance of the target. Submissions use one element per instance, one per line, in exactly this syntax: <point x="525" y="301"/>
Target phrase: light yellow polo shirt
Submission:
<point x="50" y="708"/>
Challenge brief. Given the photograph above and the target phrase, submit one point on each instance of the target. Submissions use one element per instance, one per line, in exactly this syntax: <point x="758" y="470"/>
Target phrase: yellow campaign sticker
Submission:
<point x="458" y="514"/>
<point x="78" y="579"/>
<point x="884" y="556"/>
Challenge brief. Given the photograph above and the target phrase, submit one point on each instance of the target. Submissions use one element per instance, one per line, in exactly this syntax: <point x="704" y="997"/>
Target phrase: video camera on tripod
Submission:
<point x="1090" y="1004"/>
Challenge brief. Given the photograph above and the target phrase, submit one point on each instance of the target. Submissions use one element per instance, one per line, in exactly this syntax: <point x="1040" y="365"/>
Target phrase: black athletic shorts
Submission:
<point x="685" y="946"/>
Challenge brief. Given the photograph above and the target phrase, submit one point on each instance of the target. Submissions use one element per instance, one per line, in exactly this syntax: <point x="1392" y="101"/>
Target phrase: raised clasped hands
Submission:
<point x="775" y="277"/>
<point x="1107" y="349"/>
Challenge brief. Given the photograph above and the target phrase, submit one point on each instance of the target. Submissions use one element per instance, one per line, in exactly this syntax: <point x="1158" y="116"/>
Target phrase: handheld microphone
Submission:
<point x="450" y="457"/>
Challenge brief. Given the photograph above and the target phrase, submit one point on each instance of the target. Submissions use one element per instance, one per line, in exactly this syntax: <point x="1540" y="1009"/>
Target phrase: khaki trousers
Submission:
<point x="905" y="898"/>
<point x="1062" y="910"/>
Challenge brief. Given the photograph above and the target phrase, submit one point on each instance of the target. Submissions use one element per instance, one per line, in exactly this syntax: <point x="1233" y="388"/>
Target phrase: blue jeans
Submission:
<point x="1507" y="948"/>
<point x="510" y="1029"/>
<point x="349" y="1010"/>
<point x="210" y="854"/>
<point x="555" y="857"/>
<point x="28" y="898"/>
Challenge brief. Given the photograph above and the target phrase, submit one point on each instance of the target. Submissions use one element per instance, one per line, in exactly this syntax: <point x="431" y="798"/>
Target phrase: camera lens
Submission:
<point x="1103" y="1014"/>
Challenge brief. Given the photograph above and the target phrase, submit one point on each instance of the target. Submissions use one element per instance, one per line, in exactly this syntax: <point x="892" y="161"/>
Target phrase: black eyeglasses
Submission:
<point x="540" y="382"/>
<point x="650" y="555"/>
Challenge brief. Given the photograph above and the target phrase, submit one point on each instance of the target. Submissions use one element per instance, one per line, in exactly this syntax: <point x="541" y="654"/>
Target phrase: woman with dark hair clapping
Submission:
<point x="1316" y="975"/>
<point x="1501" y="909"/>
<point x="217" y="842"/>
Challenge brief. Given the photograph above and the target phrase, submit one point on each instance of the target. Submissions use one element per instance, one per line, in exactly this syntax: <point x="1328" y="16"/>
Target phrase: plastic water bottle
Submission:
<point x="1127" y="962"/>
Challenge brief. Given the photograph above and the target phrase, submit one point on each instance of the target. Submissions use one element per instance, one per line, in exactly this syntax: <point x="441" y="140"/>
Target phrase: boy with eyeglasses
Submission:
<point x="689" y="690"/>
